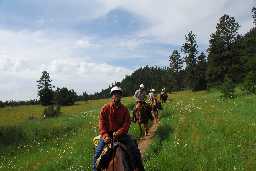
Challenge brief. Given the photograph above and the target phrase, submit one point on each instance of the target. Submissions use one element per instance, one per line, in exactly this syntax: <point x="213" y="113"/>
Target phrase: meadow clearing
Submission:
<point x="198" y="131"/>
<point x="201" y="131"/>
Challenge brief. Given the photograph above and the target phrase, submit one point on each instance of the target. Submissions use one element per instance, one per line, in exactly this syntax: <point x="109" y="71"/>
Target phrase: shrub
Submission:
<point x="249" y="84"/>
<point x="51" y="111"/>
<point x="228" y="88"/>
<point x="63" y="96"/>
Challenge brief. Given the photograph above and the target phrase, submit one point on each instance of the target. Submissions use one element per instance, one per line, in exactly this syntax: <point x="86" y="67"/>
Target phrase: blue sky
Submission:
<point x="87" y="45"/>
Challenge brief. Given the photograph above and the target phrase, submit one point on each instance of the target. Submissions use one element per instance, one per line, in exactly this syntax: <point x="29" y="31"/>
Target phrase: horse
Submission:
<point x="155" y="106"/>
<point x="163" y="97"/>
<point x="120" y="159"/>
<point x="141" y="115"/>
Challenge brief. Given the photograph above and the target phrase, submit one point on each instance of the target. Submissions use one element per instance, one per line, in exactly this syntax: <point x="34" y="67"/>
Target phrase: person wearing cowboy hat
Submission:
<point x="140" y="97"/>
<point x="151" y="94"/>
<point x="153" y="102"/>
<point x="163" y="95"/>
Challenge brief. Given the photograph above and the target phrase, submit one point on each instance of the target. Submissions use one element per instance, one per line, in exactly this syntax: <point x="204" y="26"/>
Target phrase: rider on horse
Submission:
<point x="153" y="102"/>
<point x="142" y="111"/>
<point x="140" y="96"/>
<point x="163" y="95"/>
<point x="114" y="123"/>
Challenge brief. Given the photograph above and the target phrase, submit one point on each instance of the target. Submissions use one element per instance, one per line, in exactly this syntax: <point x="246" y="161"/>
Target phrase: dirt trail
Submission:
<point x="146" y="140"/>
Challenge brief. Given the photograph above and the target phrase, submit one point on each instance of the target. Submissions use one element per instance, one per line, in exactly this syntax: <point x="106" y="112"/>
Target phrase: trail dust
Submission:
<point x="145" y="141"/>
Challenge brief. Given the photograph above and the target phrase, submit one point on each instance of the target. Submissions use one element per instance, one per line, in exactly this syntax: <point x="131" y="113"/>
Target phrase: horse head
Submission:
<point x="121" y="158"/>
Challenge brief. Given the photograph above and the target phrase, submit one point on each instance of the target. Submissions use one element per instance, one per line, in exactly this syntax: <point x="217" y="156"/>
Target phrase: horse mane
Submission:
<point x="121" y="160"/>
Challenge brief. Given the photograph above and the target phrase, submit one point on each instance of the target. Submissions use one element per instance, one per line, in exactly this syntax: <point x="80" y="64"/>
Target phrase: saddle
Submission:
<point x="107" y="154"/>
<point x="143" y="115"/>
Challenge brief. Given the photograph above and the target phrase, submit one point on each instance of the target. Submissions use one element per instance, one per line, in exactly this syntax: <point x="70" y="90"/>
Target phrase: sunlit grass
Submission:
<point x="62" y="143"/>
<point x="206" y="133"/>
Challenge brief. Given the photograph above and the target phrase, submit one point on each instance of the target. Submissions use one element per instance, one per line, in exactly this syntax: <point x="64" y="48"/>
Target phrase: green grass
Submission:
<point x="62" y="143"/>
<point x="16" y="115"/>
<point x="205" y="133"/>
<point x="198" y="131"/>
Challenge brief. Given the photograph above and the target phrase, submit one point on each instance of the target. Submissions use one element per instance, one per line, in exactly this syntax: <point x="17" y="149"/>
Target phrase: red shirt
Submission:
<point x="113" y="118"/>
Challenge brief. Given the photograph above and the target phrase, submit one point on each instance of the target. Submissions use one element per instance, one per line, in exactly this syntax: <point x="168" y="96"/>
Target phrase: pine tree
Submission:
<point x="220" y="58"/>
<point x="176" y="64"/>
<point x="85" y="96"/>
<point x="176" y="61"/>
<point x="63" y="96"/>
<point x="254" y="15"/>
<point x="45" y="87"/>
<point x="200" y="73"/>
<point x="190" y="50"/>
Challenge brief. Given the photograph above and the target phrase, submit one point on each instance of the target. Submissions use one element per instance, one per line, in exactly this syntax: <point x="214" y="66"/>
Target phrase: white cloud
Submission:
<point x="83" y="43"/>
<point x="72" y="58"/>
<point x="24" y="55"/>
<point x="169" y="21"/>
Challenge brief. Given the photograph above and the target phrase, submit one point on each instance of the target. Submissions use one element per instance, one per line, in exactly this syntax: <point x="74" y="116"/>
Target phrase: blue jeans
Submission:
<point x="131" y="146"/>
<point x="98" y="151"/>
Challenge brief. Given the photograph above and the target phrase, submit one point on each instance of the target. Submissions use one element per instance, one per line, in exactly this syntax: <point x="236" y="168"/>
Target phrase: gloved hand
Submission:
<point x="116" y="135"/>
<point x="107" y="140"/>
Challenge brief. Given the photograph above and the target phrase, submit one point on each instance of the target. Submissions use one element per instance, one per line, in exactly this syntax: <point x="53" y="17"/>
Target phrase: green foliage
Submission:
<point x="63" y="96"/>
<point x="222" y="58"/>
<point x="200" y="82"/>
<point x="151" y="77"/>
<point x="190" y="50"/>
<point x="176" y="62"/>
<point x="51" y="111"/>
<point x="248" y="51"/>
<point x="254" y="15"/>
<point x="249" y="84"/>
<point x="85" y="96"/>
<point x="45" y="91"/>
<point x="2" y="104"/>
<point x="228" y="88"/>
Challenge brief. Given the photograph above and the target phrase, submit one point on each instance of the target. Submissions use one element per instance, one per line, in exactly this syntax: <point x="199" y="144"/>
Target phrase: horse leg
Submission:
<point x="157" y="118"/>
<point x="140" y="129"/>
<point x="154" y="118"/>
<point x="155" y="115"/>
<point x="146" y="128"/>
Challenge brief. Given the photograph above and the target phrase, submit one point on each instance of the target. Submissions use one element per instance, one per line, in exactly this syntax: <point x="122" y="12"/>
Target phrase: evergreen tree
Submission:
<point x="45" y="87"/>
<point x="176" y="64"/>
<point x="63" y="96"/>
<point x="176" y="61"/>
<point x="190" y="50"/>
<point x="85" y="96"/>
<point x="249" y="84"/>
<point x="228" y="88"/>
<point x="221" y="59"/>
<point x="254" y="15"/>
<point x="2" y="104"/>
<point x="200" y="73"/>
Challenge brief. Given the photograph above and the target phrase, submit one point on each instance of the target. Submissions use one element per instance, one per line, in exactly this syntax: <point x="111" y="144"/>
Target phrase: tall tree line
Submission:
<point x="230" y="57"/>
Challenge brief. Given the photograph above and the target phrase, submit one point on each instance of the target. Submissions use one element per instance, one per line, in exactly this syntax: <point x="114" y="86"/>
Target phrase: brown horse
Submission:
<point x="163" y="97"/>
<point x="155" y="106"/>
<point x="141" y="115"/>
<point x="120" y="160"/>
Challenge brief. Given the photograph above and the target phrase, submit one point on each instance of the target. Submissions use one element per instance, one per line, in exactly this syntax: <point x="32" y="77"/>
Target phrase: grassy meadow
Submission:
<point x="62" y="143"/>
<point x="198" y="131"/>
